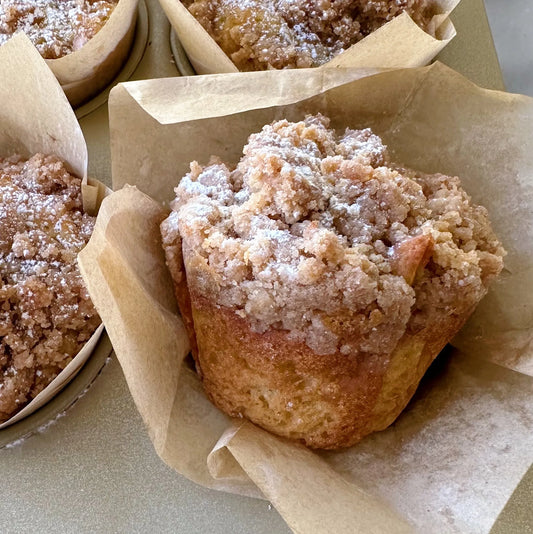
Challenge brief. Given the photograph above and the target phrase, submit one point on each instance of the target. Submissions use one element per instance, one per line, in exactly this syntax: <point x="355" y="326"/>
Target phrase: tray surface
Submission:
<point x="95" y="469"/>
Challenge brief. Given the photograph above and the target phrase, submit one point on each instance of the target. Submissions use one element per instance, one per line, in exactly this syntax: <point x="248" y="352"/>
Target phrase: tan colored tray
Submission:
<point x="95" y="470"/>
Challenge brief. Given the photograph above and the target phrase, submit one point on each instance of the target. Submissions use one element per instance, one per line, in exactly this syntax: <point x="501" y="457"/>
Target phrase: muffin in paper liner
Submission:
<point x="87" y="70"/>
<point x="39" y="119"/>
<point x="318" y="279"/>
<point x="398" y="43"/>
<point x="467" y="414"/>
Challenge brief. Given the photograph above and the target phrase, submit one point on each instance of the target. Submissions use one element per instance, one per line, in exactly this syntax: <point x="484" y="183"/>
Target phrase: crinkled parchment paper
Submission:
<point x="453" y="458"/>
<point x="35" y="116"/>
<point x="87" y="71"/>
<point x="399" y="43"/>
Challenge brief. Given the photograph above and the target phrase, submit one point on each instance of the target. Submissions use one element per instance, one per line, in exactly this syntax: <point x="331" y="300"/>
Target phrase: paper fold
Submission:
<point x="305" y="490"/>
<point x="36" y="115"/>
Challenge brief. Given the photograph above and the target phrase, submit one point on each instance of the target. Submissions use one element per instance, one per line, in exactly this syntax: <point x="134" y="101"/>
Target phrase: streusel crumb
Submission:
<point x="320" y="235"/>
<point x="46" y="315"/>
<point x="277" y="34"/>
<point x="56" y="27"/>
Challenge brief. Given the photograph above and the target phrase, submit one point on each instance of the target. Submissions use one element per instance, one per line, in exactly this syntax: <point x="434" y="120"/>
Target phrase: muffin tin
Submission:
<point x="108" y="474"/>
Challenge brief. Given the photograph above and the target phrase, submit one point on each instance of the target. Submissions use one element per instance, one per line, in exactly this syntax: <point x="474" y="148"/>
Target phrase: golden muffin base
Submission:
<point x="324" y="401"/>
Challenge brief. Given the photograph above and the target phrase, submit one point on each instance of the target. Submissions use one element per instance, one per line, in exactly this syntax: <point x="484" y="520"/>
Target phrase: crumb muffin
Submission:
<point x="56" y="27"/>
<point x="46" y="315"/>
<point x="277" y="34"/>
<point x="318" y="280"/>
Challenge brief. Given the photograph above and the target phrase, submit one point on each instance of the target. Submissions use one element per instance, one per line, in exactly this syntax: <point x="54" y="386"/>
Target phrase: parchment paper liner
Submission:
<point x="399" y="43"/>
<point x="37" y="117"/>
<point x="455" y="455"/>
<point x="87" y="71"/>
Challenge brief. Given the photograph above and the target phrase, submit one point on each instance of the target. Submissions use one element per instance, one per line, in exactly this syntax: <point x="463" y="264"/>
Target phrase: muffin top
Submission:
<point x="46" y="315"/>
<point x="320" y="235"/>
<point x="56" y="27"/>
<point x="276" y="34"/>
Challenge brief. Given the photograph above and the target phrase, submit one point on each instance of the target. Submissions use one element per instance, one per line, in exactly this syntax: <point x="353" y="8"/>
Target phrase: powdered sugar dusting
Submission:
<point x="45" y="312"/>
<point x="265" y="34"/>
<point x="56" y="27"/>
<point x="318" y="234"/>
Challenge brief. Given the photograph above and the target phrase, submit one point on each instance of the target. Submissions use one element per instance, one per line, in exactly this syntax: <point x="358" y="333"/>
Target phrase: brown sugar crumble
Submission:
<point x="320" y="235"/>
<point x="56" y="27"/>
<point x="277" y="34"/>
<point x="46" y="315"/>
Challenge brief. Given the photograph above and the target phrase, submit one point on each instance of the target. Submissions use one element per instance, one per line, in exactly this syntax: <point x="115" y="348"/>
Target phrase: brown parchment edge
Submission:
<point x="86" y="71"/>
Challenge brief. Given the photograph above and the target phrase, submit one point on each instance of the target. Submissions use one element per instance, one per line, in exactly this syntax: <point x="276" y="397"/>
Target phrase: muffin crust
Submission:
<point x="318" y="243"/>
<point x="277" y="34"/>
<point x="46" y="315"/>
<point x="56" y="27"/>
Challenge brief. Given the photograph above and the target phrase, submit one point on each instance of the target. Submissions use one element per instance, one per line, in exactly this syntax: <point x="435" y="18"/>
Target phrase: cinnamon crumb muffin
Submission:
<point x="46" y="315"/>
<point x="318" y="280"/>
<point x="277" y="34"/>
<point x="56" y="27"/>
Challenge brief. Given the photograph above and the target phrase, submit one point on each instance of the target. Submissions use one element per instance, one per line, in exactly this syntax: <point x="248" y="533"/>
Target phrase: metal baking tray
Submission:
<point x="95" y="470"/>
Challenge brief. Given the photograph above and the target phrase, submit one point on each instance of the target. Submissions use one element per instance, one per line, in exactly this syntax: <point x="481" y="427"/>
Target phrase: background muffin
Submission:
<point x="46" y="315"/>
<point x="276" y="34"/>
<point x="56" y="27"/>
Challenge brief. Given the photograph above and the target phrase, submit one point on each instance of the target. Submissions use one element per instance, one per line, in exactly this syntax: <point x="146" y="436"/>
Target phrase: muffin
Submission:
<point x="278" y="34"/>
<point x="46" y="315"/>
<point x="56" y="27"/>
<point x="318" y="280"/>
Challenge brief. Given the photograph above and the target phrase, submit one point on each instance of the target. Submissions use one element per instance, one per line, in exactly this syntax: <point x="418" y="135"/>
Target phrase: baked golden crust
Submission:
<point x="322" y="280"/>
<point x="325" y="401"/>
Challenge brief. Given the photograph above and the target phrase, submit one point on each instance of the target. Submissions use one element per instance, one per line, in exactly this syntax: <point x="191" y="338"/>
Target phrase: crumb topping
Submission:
<point x="277" y="34"/>
<point x="46" y="315"/>
<point x="56" y="27"/>
<point x="321" y="235"/>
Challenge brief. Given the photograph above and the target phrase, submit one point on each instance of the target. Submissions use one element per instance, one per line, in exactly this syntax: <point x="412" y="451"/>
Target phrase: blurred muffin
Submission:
<point x="278" y="34"/>
<point x="318" y="280"/>
<point x="46" y="315"/>
<point x="56" y="27"/>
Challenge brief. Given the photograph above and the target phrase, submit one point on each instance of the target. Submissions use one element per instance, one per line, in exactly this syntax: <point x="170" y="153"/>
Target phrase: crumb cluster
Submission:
<point x="46" y="315"/>
<point x="56" y="27"/>
<point x="277" y="34"/>
<point x="320" y="235"/>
